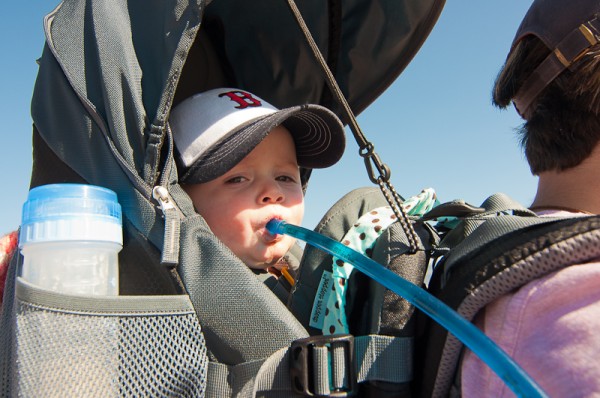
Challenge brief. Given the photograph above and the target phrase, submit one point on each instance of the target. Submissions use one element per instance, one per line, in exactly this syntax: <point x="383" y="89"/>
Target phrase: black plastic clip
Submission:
<point x="310" y="360"/>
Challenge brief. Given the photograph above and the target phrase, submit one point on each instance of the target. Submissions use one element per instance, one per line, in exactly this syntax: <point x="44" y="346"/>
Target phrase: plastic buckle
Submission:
<point x="304" y="366"/>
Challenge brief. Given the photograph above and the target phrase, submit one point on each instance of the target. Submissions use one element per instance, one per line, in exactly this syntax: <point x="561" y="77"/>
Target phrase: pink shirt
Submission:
<point x="551" y="328"/>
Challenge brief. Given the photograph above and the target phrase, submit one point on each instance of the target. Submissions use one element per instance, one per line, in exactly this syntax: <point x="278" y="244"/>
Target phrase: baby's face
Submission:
<point x="238" y="205"/>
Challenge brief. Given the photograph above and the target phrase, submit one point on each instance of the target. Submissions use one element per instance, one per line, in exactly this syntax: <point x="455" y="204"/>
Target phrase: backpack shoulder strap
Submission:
<point x="496" y="264"/>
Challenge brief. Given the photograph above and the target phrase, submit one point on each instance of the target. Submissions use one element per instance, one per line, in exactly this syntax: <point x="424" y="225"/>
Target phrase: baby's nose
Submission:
<point x="272" y="194"/>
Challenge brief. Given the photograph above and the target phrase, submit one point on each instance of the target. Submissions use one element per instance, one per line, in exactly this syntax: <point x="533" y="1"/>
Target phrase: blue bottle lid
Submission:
<point x="66" y="212"/>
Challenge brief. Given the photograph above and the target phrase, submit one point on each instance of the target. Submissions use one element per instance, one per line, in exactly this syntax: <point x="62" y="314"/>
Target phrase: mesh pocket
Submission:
<point x="108" y="347"/>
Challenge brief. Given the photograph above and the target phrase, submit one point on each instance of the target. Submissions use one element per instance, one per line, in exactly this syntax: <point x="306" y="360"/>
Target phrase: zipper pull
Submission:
<point x="170" y="251"/>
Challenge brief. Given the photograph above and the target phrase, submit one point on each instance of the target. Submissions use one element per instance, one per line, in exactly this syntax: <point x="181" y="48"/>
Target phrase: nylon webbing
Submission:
<point x="382" y="358"/>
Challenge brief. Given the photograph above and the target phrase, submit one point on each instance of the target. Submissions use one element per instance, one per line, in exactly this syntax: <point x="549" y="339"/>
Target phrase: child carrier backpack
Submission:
<point x="191" y="319"/>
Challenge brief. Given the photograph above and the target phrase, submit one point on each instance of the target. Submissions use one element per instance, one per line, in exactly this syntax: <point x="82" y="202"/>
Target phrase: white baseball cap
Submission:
<point x="216" y="129"/>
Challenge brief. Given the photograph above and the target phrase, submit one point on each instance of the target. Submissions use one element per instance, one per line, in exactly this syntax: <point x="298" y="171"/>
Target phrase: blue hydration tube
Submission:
<point x="504" y="366"/>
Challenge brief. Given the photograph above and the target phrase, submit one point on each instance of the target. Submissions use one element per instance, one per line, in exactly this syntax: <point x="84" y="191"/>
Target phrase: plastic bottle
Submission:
<point x="70" y="238"/>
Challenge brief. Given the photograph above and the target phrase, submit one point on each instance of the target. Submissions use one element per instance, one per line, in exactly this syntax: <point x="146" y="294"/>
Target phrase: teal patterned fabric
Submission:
<point x="361" y="237"/>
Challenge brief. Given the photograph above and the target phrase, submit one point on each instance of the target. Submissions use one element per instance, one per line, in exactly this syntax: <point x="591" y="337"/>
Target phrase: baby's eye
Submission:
<point x="285" y="178"/>
<point x="235" y="180"/>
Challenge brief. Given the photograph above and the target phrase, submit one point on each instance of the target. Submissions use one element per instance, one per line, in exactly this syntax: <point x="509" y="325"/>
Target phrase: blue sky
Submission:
<point x="434" y="126"/>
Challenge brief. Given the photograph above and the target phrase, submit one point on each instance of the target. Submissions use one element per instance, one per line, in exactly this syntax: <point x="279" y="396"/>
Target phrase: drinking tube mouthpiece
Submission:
<point x="488" y="351"/>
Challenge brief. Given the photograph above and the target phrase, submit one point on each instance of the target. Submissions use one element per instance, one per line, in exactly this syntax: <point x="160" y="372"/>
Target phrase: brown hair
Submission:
<point x="564" y="125"/>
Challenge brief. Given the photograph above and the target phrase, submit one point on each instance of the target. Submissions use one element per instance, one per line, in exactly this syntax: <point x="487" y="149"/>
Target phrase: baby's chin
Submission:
<point x="264" y="263"/>
<point x="266" y="260"/>
<point x="265" y="256"/>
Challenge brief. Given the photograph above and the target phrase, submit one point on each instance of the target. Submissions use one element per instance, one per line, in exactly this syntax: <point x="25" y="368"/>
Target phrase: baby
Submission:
<point x="239" y="159"/>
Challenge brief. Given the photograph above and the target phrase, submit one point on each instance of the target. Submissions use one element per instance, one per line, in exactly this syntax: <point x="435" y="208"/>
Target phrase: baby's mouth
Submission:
<point x="268" y="236"/>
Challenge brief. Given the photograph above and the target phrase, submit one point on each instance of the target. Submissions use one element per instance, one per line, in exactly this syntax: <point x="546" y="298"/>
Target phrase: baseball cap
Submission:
<point x="568" y="28"/>
<point x="214" y="130"/>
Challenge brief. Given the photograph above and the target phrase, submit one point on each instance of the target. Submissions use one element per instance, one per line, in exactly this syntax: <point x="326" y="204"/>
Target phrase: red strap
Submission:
<point x="8" y="246"/>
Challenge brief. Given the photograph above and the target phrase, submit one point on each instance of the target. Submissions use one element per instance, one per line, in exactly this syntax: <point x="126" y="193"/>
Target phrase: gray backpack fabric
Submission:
<point x="494" y="250"/>
<point x="487" y="252"/>
<point x="108" y="76"/>
<point x="374" y="313"/>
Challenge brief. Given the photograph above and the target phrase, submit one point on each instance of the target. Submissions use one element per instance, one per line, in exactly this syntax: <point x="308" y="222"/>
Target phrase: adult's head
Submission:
<point x="552" y="76"/>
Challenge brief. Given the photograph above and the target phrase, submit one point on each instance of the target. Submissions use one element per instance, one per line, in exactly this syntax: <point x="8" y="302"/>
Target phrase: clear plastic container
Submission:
<point x="70" y="238"/>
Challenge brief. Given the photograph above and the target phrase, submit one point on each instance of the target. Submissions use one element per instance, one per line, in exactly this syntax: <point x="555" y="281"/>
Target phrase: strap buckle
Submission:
<point x="324" y="366"/>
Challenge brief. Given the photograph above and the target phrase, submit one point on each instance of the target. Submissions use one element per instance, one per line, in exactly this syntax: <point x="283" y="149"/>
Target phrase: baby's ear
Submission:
<point x="304" y="176"/>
